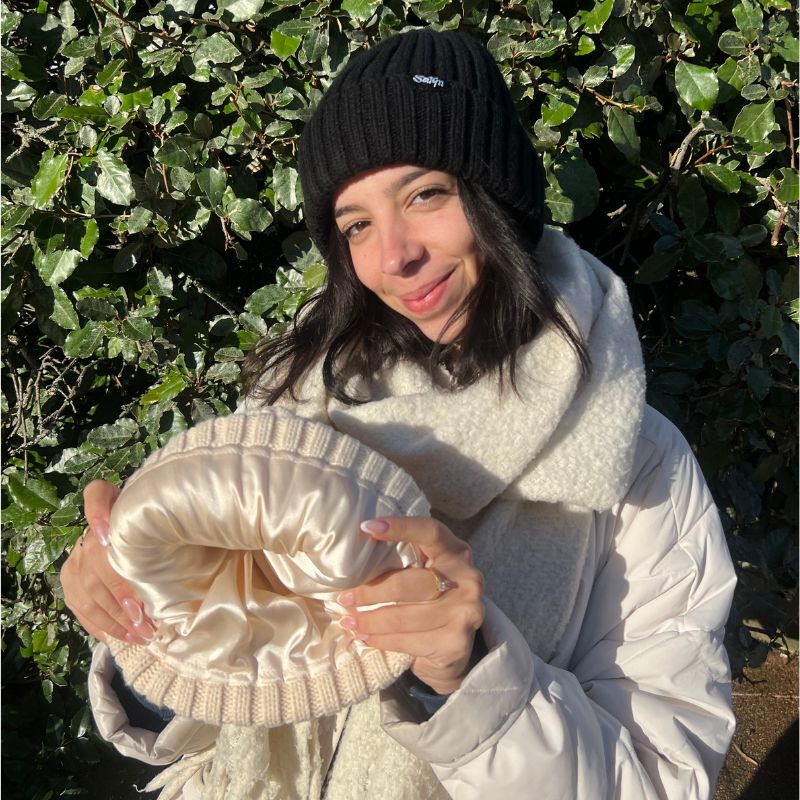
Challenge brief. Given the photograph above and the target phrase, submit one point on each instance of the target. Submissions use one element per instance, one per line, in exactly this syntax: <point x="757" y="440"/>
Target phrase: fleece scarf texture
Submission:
<point x="517" y="474"/>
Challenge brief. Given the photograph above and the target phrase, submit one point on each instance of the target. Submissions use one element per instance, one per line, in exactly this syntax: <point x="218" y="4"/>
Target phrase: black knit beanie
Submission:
<point x="432" y="99"/>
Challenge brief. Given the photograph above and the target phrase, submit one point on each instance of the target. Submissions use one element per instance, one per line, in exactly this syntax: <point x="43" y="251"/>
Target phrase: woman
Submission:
<point x="498" y="364"/>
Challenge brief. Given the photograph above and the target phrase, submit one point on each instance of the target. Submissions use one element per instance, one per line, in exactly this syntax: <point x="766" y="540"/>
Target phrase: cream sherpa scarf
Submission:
<point x="517" y="474"/>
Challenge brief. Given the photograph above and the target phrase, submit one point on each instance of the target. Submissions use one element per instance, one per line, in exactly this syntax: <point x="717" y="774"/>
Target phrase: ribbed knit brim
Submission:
<point x="433" y="99"/>
<point x="206" y="529"/>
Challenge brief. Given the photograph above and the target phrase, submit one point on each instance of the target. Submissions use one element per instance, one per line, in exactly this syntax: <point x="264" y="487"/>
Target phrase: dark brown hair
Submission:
<point x="354" y="333"/>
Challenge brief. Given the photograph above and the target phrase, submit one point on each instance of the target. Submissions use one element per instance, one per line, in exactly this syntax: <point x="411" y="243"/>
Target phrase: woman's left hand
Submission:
<point x="438" y="629"/>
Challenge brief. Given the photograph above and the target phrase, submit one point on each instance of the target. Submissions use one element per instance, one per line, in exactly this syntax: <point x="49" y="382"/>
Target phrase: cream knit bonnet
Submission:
<point x="238" y="536"/>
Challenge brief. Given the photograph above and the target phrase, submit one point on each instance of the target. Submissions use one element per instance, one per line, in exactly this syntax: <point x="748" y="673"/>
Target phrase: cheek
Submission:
<point x="366" y="274"/>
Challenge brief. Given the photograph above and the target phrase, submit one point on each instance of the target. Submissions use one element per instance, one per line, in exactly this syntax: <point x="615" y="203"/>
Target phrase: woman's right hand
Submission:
<point x="102" y="601"/>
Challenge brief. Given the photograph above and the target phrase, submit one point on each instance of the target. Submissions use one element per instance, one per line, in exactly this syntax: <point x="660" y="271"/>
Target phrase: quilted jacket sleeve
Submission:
<point x="640" y="707"/>
<point x="181" y="736"/>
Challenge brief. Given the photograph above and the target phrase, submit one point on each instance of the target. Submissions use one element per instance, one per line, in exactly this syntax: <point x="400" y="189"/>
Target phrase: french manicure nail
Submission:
<point x="348" y="623"/>
<point x="347" y="598"/>
<point x="132" y="610"/>
<point x="375" y="526"/>
<point x="132" y="638"/>
<point x="100" y="528"/>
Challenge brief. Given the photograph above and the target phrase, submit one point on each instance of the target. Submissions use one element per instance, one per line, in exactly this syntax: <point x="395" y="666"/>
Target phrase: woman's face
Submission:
<point x="411" y="244"/>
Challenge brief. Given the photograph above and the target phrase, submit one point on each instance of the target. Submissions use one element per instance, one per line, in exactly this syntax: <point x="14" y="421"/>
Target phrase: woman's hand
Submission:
<point x="102" y="601"/>
<point x="437" y="628"/>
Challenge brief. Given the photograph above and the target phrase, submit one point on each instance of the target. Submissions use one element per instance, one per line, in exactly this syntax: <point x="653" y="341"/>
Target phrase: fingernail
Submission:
<point x="132" y="638"/>
<point x="375" y="526"/>
<point x="349" y="623"/>
<point x="145" y="630"/>
<point x="132" y="610"/>
<point x="347" y="598"/>
<point x="100" y="528"/>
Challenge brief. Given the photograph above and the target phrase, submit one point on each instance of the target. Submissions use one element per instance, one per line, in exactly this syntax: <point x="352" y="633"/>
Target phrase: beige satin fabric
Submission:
<point x="238" y="537"/>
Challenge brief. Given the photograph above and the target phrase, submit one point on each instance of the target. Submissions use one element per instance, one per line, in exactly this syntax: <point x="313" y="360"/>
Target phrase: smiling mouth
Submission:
<point x="428" y="296"/>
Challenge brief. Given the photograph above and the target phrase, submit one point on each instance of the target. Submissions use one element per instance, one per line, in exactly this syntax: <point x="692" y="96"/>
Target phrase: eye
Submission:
<point x="352" y="230"/>
<point x="428" y="194"/>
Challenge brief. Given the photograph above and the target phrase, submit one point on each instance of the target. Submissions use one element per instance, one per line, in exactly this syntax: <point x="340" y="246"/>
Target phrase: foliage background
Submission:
<point x="152" y="232"/>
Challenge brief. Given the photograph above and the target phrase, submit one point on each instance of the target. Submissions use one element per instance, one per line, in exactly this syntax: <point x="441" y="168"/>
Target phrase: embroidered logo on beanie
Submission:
<point x="431" y="80"/>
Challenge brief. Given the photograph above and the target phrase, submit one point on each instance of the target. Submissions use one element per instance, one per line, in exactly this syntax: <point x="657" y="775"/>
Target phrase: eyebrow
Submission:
<point x="401" y="182"/>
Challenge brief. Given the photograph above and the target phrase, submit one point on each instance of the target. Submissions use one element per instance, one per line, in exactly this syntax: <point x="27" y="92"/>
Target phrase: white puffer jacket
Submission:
<point x="608" y="582"/>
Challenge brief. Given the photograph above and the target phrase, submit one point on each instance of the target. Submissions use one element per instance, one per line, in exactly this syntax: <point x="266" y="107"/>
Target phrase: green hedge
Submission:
<point x="152" y="232"/>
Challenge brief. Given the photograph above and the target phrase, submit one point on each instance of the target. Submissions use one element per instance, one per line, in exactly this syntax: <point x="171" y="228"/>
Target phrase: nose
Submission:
<point x="401" y="247"/>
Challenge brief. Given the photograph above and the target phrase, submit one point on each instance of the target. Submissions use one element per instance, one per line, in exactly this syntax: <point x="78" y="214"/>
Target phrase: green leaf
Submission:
<point x="752" y="235"/>
<point x="9" y="21"/>
<point x="558" y="110"/>
<point x="789" y="189"/>
<point x="216" y="49"/>
<point x="692" y="202"/>
<point x="755" y="122"/>
<point x="715" y="248"/>
<point x="89" y="238"/>
<point x="172" y="385"/>
<point x="286" y="187"/>
<point x="82" y="114"/>
<point x="35" y="494"/>
<point x="63" y="311"/>
<point x="560" y="206"/>
<point x="360" y="9"/>
<point x="720" y="178"/>
<point x="282" y="45"/>
<point x="96" y="309"/>
<point x="48" y="106"/>
<point x="114" y="182"/>
<point x="248" y="215"/>
<point x="223" y="372"/>
<point x="110" y="437"/>
<point x="749" y="19"/>
<point x="770" y="322"/>
<point x="788" y="48"/>
<point x="726" y="279"/>
<point x="83" y="342"/>
<point x="585" y="46"/>
<point x="128" y="257"/>
<point x="759" y="382"/>
<point x="315" y="44"/>
<point x="265" y="299"/>
<point x="697" y="86"/>
<point x="38" y="556"/>
<point x="594" y="20"/>
<point x="657" y="266"/>
<point x="622" y="132"/>
<point x="139" y="219"/>
<point x="180" y="150"/>
<point x="137" y="328"/>
<point x="109" y="72"/>
<point x="315" y="275"/>
<point x="577" y="181"/>
<point x="732" y="43"/>
<point x="56" y="267"/>
<point x="241" y="10"/>
<point x="159" y="282"/>
<point x="49" y="179"/>
<point x="212" y="183"/>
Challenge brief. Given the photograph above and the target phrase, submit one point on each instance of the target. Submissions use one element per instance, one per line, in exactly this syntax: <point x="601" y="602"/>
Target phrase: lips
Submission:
<point x="426" y="297"/>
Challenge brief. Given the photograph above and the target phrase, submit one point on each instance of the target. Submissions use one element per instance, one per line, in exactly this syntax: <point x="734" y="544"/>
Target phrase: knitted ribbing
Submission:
<point x="248" y="691"/>
<point x="433" y="99"/>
